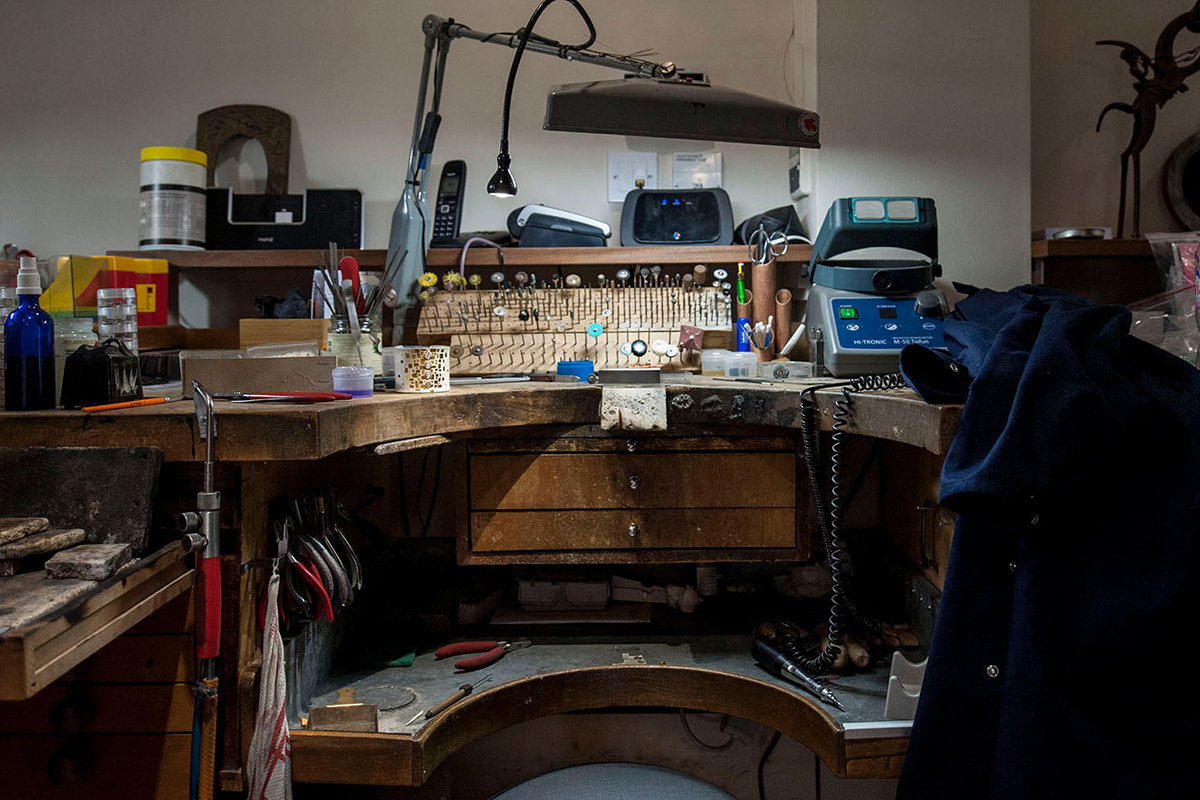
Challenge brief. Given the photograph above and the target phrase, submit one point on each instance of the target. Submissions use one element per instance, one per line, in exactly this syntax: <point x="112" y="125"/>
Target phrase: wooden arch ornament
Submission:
<point x="270" y="126"/>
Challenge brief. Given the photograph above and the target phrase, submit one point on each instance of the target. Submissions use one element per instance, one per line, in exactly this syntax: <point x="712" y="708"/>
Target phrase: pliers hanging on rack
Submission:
<point x="324" y="606"/>
<point x="491" y="653"/>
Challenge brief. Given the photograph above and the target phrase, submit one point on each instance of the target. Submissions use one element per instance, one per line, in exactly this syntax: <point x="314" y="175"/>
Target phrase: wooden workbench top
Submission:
<point x="270" y="432"/>
<point x="704" y="673"/>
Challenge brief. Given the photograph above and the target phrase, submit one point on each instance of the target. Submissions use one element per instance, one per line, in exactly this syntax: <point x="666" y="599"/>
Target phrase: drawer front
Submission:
<point x="631" y="480"/>
<point x="525" y="531"/>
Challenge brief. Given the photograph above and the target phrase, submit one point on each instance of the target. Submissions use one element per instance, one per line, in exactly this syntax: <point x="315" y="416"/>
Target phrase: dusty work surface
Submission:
<point x="32" y="597"/>
<point x="268" y="432"/>
<point x="432" y="680"/>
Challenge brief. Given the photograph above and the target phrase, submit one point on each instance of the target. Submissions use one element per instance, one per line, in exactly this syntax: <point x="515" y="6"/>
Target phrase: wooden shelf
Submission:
<point x="251" y="259"/>
<point x="1102" y="270"/>
<point x="476" y="257"/>
<point x="684" y="255"/>
<point x="49" y="627"/>
<point x="1090" y="248"/>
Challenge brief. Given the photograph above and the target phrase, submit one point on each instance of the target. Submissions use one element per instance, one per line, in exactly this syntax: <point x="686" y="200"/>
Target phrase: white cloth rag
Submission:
<point x="270" y="761"/>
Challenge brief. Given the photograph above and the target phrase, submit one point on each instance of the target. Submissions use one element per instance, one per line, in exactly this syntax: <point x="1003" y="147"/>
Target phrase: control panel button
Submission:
<point x="848" y="312"/>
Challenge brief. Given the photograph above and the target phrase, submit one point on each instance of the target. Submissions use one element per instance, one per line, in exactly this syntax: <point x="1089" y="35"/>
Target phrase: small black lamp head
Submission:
<point x="502" y="183"/>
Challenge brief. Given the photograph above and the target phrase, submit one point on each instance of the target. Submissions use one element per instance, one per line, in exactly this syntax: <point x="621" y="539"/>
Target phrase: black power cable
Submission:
<point x="831" y="515"/>
<point x="762" y="764"/>
<point x="526" y="32"/>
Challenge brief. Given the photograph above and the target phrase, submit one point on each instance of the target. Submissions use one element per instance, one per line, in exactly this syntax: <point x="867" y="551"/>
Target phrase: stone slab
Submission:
<point x="90" y="562"/>
<point x="13" y="528"/>
<point x="48" y="541"/>
<point x="633" y="408"/>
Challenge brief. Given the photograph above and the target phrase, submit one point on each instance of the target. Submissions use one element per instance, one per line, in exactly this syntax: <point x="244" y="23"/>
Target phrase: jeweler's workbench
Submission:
<point x="304" y="432"/>
<point x="265" y="451"/>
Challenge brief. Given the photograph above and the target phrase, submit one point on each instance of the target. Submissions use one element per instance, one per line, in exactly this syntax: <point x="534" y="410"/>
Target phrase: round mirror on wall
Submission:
<point x="1181" y="183"/>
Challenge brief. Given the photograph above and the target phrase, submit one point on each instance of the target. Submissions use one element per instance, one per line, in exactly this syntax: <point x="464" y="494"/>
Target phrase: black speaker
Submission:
<point x="308" y="221"/>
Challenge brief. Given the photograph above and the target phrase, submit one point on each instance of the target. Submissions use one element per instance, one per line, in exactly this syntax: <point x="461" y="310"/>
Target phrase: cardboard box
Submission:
<point x="255" y="332"/>
<point x="72" y="293"/>
<point x="562" y="596"/>
<point x="233" y="374"/>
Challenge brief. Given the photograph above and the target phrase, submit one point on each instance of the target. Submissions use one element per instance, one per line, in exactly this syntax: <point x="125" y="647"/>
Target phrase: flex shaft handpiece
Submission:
<point x="777" y="663"/>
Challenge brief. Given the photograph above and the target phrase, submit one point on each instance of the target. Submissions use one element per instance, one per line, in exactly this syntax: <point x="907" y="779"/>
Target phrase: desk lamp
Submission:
<point x="650" y="101"/>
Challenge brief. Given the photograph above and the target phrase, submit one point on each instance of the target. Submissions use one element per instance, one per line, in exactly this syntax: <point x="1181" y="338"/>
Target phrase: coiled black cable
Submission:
<point x="830" y="516"/>
<point x="526" y="34"/>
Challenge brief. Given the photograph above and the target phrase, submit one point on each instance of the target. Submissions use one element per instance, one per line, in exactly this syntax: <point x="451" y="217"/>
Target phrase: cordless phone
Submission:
<point x="447" y="212"/>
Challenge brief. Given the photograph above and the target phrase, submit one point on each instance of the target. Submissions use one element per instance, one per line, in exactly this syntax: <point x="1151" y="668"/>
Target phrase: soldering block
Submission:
<point x="13" y="528"/>
<point x="37" y="544"/>
<point x="89" y="562"/>
<point x="633" y="408"/>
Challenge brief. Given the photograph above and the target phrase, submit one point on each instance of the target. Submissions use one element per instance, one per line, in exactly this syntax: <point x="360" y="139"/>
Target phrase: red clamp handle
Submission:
<point x="208" y="590"/>
<point x="462" y="648"/>
<point x="480" y="661"/>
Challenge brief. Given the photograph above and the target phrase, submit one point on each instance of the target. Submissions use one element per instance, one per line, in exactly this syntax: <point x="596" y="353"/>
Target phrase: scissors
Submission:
<point x="766" y="247"/>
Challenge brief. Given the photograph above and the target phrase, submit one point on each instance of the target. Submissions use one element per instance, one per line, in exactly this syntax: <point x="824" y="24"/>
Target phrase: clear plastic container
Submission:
<point x="785" y="370"/>
<point x="8" y="302"/>
<point x="741" y="365"/>
<point x="358" y="381"/>
<point x="712" y="362"/>
<point x="116" y="312"/>
<point x="284" y="350"/>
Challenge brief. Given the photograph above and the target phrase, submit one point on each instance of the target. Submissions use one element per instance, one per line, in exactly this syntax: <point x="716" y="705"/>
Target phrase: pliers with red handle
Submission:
<point x="283" y="397"/>
<point x="491" y="652"/>
<point x="310" y="576"/>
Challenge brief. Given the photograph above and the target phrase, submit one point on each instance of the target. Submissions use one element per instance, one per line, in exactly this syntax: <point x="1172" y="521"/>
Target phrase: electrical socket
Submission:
<point x="629" y="171"/>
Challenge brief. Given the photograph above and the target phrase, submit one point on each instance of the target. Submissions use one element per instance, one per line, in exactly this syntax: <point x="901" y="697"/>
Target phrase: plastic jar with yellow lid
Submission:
<point x="171" y="205"/>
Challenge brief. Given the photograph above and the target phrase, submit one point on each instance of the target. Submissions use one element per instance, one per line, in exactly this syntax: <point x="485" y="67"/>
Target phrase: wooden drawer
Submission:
<point x="138" y="767"/>
<point x="120" y="708"/>
<point x="633" y="480"/>
<point x="697" y="528"/>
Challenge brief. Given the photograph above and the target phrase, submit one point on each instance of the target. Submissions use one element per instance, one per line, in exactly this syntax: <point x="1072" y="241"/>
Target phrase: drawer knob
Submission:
<point x="633" y="529"/>
<point x="634" y="480"/>
<point x="631" y="445"/>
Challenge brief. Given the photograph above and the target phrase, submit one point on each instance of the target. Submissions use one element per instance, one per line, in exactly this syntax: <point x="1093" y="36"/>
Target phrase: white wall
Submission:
<point x="917" y="96"/>
<point x="88" y="84"/>
<point x="931" y="97"/>
<point x="1076" y="171"/>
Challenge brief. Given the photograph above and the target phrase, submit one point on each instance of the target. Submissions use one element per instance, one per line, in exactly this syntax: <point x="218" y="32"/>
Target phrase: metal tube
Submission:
<point x="646" y="69"/>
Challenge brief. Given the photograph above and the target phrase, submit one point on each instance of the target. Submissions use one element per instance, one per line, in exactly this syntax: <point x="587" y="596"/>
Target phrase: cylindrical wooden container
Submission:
<point x="783" y="318"/>
<point x="763" y="280"/>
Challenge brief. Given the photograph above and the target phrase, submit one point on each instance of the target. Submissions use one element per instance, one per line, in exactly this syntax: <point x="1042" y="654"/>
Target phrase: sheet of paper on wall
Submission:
<point x="697" y="171"/>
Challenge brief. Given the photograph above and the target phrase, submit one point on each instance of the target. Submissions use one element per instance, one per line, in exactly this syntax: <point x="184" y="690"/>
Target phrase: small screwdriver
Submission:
<point x="462" y="692"/>
<point x="779" y="664"/>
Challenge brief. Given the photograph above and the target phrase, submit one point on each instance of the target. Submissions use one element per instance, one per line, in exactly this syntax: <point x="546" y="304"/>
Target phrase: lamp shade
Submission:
<point x="677" y="109"/>
<point x="502" y="183"/>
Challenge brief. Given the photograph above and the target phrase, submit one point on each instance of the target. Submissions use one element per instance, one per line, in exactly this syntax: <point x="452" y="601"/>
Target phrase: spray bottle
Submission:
<point x="28" y="346"/>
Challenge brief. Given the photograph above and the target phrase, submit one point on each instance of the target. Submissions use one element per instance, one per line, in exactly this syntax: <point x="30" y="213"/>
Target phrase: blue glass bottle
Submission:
<point x="28" y="347"/>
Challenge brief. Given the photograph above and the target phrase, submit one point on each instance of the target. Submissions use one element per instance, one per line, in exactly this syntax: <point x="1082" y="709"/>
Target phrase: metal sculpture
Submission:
<point x="1156" y="80"/>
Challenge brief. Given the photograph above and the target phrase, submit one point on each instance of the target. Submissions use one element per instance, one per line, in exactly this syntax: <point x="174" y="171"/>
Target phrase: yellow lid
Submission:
<point x="175" y="154"/>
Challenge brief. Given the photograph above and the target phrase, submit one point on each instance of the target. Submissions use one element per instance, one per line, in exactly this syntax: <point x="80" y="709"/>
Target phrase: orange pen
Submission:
<point x="149" y="401"/>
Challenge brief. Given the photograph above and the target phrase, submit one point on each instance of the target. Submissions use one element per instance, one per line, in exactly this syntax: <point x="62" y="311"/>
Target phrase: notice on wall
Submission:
<point x="697" y="171"/>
